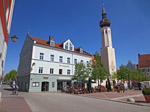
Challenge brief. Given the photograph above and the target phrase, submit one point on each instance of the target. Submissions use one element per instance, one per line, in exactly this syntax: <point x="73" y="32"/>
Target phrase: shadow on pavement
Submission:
<point x="8" y="89"/>
<point x="140" y="101"/>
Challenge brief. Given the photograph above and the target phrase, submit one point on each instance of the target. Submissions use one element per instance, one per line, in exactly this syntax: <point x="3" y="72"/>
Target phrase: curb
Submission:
<point x="112" y="100"/>
<point x="118" y="101"/>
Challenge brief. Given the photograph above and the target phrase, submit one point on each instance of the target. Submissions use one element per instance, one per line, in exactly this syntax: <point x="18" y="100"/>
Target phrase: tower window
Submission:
<point x="106" y="31"/>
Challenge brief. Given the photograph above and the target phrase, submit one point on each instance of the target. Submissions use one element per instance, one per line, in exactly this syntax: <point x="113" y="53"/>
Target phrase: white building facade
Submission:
<point x="46" y="65"/>
<point x="6" y="12"/>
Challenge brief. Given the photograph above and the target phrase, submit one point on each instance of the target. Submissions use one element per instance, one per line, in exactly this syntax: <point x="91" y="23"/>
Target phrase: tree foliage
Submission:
<point x="80" y="72"/>
<point x="98" y="72"/>
<point x="10" y="76"/>
<point x="130" y="74"/>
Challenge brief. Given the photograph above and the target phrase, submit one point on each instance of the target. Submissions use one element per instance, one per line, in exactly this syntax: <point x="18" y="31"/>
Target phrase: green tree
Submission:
<point x="98" y="72"/>
<point x="10" y="76"/>
<point x="80" y="72"/>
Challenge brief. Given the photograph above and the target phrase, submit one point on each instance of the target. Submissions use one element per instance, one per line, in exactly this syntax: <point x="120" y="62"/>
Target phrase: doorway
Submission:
<point x="45" y="86"/>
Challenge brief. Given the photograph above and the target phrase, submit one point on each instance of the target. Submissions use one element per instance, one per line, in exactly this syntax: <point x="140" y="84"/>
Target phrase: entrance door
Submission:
<point x="45" y="86"/>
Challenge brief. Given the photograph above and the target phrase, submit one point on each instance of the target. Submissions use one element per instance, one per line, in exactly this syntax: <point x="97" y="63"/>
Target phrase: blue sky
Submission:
<point x="79" y="21"/>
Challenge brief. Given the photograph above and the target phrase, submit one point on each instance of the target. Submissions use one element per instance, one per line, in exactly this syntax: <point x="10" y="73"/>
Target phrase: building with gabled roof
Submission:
<point x="46" y="65"/>
<point x="144" y="63"/>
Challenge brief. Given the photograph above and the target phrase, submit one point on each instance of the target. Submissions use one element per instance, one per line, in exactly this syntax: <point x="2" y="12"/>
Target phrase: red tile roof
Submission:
<point x="60" y="46"/>
<point x="144" y="60"/>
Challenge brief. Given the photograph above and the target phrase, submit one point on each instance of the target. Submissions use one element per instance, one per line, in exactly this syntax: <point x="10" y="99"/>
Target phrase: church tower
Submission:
<point x="107" y="50"/>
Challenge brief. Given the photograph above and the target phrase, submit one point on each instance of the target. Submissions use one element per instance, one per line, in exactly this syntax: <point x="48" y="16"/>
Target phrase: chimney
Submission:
<point x="50" y="38"/>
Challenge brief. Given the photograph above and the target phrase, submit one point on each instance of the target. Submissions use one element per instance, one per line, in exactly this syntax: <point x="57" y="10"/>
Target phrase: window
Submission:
<point x="68" y="60"/>
<point x="70" y="47"/>
<point x="40" y="69"/>
<point x="53" y="84"/>
<point x="52" y="58"/>
<point x="60" y="59"/>
<point x="41" y="56"/>
<point x="81" y="61"/>
<point x="52" y="43"/>
<point x="75" y="61"/>
<point x="87" y="63"/>
<point x="66" y="46"/>
<point x="60" y="71"/>
<point x="68" y="72"/>
<point x="35" y="84"/>
<point x="51" y="70"/>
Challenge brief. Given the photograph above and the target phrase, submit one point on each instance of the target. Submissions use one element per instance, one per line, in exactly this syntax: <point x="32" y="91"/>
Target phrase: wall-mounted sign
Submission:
<point x="45" y="77"/>
<point x="63" y="66"/>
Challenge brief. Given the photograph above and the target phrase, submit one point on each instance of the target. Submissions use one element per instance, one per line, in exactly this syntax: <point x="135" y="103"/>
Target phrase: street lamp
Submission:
<point x="14" y="38"/>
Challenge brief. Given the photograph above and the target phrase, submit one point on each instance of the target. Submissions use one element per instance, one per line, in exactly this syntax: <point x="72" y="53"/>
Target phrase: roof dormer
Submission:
<point x="51" y="41"/>
<point x="80" y="49"/>
<point x="67" y="45"/>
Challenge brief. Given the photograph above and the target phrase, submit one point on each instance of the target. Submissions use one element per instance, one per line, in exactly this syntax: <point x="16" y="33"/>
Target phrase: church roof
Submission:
<point x="144" y="60"/>
<point x="57" y="45"/>
<point x="104" y="22"/>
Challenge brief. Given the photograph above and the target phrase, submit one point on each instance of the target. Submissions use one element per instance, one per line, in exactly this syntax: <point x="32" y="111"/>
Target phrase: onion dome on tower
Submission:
<point x="104" y="22"/>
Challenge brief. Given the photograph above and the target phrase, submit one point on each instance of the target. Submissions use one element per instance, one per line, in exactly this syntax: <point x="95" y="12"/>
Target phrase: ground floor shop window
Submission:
<point x="35" y="84"/>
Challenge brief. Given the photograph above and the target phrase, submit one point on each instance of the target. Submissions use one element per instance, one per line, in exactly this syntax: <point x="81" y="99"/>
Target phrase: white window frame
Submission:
<point x="68" y="72"/>
<point x="75" y="61"/>
<point x="52" y="43"/>
<point x="51" y="70"/>
<point x="35" y="84"/>
<point x="41" y="56"/>
<point x="40" y="69"/>
<point x="71" y="47"/>
<point x="68" y="60"/>
<point x="62" y="71"/>
<point x="61" y="59"/>
<point x="66" y="46"/>
<point x="52" y="59"/>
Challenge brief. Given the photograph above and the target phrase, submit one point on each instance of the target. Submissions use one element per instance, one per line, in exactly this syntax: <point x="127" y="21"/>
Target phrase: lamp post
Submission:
<point x="14" y="39"/>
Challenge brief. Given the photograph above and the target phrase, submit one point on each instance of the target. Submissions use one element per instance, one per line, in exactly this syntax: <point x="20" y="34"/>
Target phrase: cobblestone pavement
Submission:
<point x="62" y="102"/>
<point x="135" y="94"/>
<point x="12" y="103"/>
